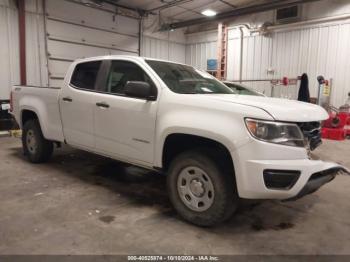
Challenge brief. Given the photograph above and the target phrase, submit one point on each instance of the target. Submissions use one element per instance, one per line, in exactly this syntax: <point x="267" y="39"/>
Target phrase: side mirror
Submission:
<point x="139" y="89"/>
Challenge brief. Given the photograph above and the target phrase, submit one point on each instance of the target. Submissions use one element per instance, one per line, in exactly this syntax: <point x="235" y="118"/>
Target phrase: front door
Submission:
<point x="124" y="126"/>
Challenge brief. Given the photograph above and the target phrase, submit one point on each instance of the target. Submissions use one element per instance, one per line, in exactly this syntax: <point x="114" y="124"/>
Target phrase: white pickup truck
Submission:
<point x="214" y="145"/>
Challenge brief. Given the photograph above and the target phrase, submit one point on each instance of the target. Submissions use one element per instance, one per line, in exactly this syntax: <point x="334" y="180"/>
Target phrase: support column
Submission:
<point x="22" y="41"/>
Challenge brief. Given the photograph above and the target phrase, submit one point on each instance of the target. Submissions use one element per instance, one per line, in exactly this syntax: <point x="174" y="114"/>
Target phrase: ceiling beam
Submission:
<point x="168" y="5"/>
<point x="115" y="3"/>
<point x="236" y="12"/>
<point x="227" y="3"/>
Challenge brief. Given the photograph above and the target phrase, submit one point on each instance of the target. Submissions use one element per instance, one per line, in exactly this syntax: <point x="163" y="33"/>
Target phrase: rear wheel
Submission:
<point x="202" y="188"/>
<point x="35" y="146"/>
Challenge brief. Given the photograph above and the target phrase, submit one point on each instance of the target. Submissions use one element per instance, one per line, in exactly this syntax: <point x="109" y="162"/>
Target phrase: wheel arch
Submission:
<point x="176" y="143"/>
<point x="29" y="113"/>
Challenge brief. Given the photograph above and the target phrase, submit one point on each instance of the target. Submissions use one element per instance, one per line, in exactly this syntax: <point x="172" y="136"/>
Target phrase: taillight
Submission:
<point x="11" y="102"/>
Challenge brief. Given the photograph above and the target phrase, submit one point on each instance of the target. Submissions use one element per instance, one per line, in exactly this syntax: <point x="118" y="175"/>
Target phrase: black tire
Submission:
<point x="225" y="200"/>
<point x="43" y="148"/>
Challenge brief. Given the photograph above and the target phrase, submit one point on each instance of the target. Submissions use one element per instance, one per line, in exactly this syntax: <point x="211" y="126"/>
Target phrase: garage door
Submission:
<point x="76" y="31"/>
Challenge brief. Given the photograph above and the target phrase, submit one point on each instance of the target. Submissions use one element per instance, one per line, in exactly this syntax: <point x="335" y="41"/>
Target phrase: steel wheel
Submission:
<point x="195" y="189"/>
<point x="31" y="142"/>
<point x="35" y="146"/>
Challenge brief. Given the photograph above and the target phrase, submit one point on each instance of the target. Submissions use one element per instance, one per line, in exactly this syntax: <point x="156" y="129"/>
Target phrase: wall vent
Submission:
<point x="288" y="14"/>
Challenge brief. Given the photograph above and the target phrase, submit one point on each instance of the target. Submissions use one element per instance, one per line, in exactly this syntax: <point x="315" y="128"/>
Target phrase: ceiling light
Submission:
<point x="92" y="3"/>
<point x="209" y="12"/>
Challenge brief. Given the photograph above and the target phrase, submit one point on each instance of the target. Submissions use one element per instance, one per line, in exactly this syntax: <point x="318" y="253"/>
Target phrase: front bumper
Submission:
<point x="251" y="183"/>
<point x="317" y="180"/>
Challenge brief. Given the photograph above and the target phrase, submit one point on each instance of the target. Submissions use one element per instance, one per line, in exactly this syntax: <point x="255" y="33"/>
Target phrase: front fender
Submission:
<point x="222" y="128"/>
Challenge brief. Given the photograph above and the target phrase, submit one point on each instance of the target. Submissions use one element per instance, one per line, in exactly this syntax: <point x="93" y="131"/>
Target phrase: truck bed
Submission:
<point x="43" y="101"/>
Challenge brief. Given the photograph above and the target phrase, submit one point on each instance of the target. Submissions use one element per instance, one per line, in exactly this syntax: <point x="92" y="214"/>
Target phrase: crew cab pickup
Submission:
<point x="214" y="145"/>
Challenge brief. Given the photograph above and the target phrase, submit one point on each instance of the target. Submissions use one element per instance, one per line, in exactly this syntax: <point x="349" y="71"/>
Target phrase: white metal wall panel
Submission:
<point x="9" y="62"/>
<point x="255" y="62"/>
<point x="82" y="31"/>
<point x="37" y="73"/>
<point x="69" y="11"/>
<point x="316" y="51"/>
<point x="234" y="53"/>
<point x="177" y="52"/>
<point x="197" y="54"/>
<point x="201" y="47"/>
<point x="319" y="50"/>
<point x="9" y="46"/>
<point x="77" y="31"/>
<point x="79" y="34"/>
<point x="163" y="49"/>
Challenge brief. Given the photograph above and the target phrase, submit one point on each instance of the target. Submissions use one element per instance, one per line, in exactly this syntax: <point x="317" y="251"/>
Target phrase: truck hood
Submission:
<point x="279" y="109"/>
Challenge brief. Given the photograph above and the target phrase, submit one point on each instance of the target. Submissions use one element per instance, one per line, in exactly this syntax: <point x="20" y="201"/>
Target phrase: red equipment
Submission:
<point x="347" y="127"/>
<point x="344" y="111"/>
<point x="337" y="126"/>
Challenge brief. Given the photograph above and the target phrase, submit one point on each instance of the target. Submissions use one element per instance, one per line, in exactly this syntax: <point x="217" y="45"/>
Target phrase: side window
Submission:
<point x="85" y="74"/>
<point x="120" y="73"/>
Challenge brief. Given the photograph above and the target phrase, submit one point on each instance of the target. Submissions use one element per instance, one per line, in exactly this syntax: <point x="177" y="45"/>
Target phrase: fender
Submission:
<point x="26" y="105"/>
<point x="44" y="114"/>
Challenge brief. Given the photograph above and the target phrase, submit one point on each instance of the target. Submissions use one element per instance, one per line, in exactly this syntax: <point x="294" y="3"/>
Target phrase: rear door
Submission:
<point x="124" y="126"/>
<point x="77" y="105"/>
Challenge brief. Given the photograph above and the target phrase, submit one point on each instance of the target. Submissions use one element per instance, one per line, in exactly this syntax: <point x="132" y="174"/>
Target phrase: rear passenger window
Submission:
<point x="85" y="74"/>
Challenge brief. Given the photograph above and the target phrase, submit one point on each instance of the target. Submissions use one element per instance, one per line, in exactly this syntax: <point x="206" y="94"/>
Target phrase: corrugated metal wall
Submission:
<point x="321" y="50"/>
<point x="317" y="50"/>
<point x="198" y="53"/>
<point x="9" y="46"/>
<point x="201" y="47"/>
<point x="37" y="72"/>
<point x="163" y="49"/>
<point x="9" y="62"/>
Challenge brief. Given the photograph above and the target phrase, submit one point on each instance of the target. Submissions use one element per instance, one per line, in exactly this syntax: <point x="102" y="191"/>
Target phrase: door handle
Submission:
<point x="67" y="99"/>
<point x="102" y="104"/>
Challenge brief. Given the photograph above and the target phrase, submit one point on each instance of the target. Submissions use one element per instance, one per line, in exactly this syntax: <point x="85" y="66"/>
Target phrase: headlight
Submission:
<point x="275" y="132"/>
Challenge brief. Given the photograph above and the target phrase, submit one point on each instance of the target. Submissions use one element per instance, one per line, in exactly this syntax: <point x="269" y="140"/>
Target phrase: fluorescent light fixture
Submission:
<point x="209" y="12"/>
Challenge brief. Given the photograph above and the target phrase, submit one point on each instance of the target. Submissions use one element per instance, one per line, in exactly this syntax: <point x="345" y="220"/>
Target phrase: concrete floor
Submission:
<point x="79" y="203"/>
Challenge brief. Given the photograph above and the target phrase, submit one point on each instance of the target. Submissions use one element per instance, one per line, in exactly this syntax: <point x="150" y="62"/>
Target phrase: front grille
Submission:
<point x="312" y="133"/>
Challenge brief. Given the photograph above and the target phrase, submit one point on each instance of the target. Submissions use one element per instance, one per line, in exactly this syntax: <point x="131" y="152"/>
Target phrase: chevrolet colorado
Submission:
<point x="215" y="146"/>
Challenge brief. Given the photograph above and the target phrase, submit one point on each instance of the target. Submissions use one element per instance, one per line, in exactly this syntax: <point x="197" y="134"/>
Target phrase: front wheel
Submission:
<point x="201" y="189"/>
<point x="35" y="146"/>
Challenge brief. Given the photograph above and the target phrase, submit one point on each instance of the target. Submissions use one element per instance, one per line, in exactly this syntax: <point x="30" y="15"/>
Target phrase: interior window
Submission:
<point x="85" y="75"/>
<point x="120" y="73"/>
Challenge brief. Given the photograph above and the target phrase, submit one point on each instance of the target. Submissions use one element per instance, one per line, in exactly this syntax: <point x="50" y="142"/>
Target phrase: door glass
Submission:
<point x="121" y="72"/>
<point x="85" y="74"/>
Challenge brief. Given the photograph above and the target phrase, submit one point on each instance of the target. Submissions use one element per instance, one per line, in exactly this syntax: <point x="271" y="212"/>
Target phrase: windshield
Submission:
<point x="184" y="79"/>
<point x="242" y="90"/>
